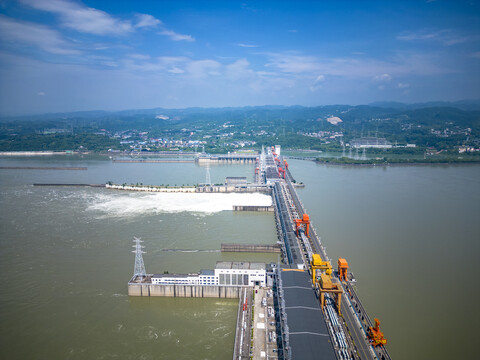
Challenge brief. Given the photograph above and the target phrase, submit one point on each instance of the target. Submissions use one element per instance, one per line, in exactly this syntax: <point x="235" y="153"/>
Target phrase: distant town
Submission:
<point x="409" y="132"/>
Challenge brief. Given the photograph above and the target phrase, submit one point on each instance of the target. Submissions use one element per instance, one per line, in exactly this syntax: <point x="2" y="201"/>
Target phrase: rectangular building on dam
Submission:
<point x="226" y="273"/>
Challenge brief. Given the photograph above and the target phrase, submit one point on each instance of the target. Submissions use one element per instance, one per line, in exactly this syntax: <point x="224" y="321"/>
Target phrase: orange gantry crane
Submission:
<point x="342" y="269"/>
<point x="375" y="335"/>
<point x="304" y="221"/>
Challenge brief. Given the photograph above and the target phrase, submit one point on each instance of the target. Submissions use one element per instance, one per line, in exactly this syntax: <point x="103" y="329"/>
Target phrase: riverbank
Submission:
<point x="33" y="153"/>
<point x="42" y="168"/>
<point x="397" y="162"/>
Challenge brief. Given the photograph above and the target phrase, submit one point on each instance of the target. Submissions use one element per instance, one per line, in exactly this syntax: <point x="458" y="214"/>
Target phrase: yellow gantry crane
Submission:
<point x="318" y="264"/>
<point x="325" y="282"/>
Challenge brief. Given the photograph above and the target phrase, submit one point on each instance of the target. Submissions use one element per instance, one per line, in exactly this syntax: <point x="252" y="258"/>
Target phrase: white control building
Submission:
<point x="226" y="273"/>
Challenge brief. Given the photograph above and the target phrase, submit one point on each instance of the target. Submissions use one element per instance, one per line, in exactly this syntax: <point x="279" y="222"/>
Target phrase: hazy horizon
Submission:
<point x="400" y="105"/>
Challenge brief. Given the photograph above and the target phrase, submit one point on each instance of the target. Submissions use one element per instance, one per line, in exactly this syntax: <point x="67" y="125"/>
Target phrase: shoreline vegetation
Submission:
<point x="345" y="161"/>
<point x="385" y="161"/>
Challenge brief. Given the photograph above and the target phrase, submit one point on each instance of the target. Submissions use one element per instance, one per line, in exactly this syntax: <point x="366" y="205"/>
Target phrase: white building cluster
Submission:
<point x="371" y="142"/>
<point x="226" y="273"/>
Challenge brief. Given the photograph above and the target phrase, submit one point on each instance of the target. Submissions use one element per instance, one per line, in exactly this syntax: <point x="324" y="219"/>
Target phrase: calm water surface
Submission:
<point x="410" y="235"/>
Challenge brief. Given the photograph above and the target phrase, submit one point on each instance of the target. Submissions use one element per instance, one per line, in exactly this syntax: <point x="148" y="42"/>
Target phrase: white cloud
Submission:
<point x="139" y="56"/>
<point x="210" y="73"/>
<point x="187" y="68"/>
<point x="175" y="36"/>
<point x="420" y="35"/>
<point x="203" y="68"/>
<point x="266" y="73"/>
<point x="176" y="70"/>
<point x="19" y="32"/>
<point x="239" y="70"/>
<point x="293" y="63"/>
<point x="247" y="45"/>
<point x="445" y="36"/>
<point x="82" y="18"/>
<point x="112" y="64"/>
<point x="101" y="47"/>
<point x="317" y="84"/>
<point x="403" y="86"/>
<point x="145" y="20"/>
<point x="248" y="7"/>
<point x="41" y="93"/>
<point x="383" y="78"/>
<point x="169" y="60"/>
<point x="137" y="62"/>
<point x="301" y="67"/>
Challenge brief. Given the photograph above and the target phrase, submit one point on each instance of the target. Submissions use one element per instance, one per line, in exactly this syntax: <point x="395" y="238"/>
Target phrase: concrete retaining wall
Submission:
<point x="229" y="292"/>
<point x="198" y="189"/>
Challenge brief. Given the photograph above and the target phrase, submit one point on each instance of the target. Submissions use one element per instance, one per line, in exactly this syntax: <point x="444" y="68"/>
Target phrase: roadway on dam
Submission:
<point x="297" y="251"/>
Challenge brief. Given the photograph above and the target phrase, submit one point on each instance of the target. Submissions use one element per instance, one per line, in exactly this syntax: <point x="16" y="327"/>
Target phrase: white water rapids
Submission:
<point x="136" y="204"/>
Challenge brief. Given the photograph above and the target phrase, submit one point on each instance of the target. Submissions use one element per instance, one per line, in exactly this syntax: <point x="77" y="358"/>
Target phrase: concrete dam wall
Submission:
<point x="171" y="290"/>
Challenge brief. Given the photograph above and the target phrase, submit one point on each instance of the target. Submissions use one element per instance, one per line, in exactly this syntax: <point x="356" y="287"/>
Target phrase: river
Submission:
<point x="410" y="235"/>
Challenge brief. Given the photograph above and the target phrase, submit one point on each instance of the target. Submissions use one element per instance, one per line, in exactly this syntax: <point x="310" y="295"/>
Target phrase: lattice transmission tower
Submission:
<point x="139" y="264"/>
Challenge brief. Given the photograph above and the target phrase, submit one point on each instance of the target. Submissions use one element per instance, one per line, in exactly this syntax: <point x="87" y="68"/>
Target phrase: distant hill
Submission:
<point x="286" y="111"/>
<point x="469" y="105"/>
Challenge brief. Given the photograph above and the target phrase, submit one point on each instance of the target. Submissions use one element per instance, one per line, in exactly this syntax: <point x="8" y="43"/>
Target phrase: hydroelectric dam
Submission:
<point x="303" y="307"/>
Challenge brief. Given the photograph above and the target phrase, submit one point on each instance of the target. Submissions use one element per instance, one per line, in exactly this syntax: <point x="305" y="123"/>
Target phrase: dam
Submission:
<point x="315" y="310"/>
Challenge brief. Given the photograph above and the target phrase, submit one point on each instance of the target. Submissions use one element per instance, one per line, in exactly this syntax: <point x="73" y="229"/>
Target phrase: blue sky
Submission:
<point x="69" y="55"/>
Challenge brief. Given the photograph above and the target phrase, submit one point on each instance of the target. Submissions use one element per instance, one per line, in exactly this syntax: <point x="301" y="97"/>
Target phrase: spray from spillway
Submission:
<point x="137" y="204"/>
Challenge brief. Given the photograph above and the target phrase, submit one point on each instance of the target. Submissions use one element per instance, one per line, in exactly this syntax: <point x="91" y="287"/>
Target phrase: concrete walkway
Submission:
<point x="264" y="329"/>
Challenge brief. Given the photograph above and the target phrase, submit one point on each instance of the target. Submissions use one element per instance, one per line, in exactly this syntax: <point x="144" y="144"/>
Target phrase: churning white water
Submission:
<point x="135" y="204"/>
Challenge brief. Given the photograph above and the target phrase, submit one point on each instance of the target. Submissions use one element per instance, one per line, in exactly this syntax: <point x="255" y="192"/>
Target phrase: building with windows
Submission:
<point x="204" y="277"/>
<point x="232" y="180"/>
<point x="234" y="273"/>
<point x="226" y="273"/>
<point x="371" y="142"/>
